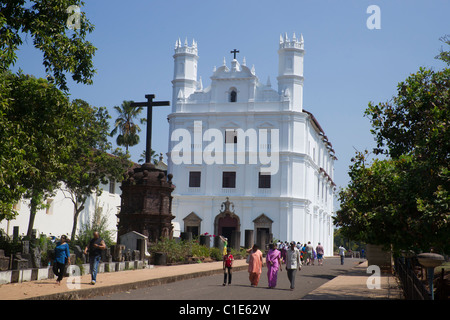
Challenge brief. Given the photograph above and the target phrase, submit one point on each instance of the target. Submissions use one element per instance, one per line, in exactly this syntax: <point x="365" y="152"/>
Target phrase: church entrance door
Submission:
<point x="226" y="221"/>
<point x="226" y="225"/>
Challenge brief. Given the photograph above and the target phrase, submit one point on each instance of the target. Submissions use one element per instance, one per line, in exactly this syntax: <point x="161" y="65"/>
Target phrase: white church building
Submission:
<point x="243" y="140"/>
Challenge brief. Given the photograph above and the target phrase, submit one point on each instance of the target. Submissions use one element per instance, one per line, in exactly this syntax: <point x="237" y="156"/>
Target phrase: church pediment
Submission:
<point x="262" y="220"/>
<point x="266" y="125"/>
<point x="192" y="217"/>
<point x="231" y="125"/>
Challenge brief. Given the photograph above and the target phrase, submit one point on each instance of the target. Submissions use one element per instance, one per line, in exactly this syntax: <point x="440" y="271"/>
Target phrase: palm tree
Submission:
<point x="153" y="157"/>
<point x="128" y="130"/>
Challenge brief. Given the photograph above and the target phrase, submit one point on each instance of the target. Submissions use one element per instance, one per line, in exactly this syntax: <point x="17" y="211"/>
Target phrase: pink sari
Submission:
<point x="273" y="266"/>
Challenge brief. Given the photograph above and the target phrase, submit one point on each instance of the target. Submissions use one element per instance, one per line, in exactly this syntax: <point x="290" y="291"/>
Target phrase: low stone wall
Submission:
<point x="17" y="276"/>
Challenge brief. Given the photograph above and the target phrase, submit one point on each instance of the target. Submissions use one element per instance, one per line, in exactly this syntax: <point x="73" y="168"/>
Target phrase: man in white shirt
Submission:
<point x="292" y="263"/>
<point x="342" y="253"/>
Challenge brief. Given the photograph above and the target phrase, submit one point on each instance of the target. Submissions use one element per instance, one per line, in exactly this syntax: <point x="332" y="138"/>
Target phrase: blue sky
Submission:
<point x="346" y="64"/>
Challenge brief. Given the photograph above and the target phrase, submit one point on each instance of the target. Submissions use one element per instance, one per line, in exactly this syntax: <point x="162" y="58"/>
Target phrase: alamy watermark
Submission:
<point x="262" y="148"/>
<point x="374" y="20"/>
<point x="74" y="279"/>
<point x="74" y="20"/>
<point x="374" y="281"/>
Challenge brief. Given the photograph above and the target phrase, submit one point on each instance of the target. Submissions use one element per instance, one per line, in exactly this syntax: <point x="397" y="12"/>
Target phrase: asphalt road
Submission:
<point x="211" y="288"/>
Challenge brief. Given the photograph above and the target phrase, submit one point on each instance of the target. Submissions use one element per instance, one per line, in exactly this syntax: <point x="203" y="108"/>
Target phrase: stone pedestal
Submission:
<point x="218" y="243"/>
<point x="146" y="205"/>
<point x="249" y="239"/>
<point x="205" y="241"/>
<point x="379" y="257"/>
<point x="262" y="239"/>
<point x="235" y="242"/>
<point x="4" y="261"/>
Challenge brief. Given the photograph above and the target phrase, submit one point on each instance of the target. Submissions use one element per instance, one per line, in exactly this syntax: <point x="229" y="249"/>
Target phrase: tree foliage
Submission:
<point x="90" y="161"/>
<point x="36" y="136"/>
<point x="65" y="50"/>
<point x="404" y="200"/>
<point x="45" y="139"/>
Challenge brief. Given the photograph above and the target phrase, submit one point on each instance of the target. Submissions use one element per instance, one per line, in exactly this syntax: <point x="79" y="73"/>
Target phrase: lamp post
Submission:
<point x="430" y="261"/>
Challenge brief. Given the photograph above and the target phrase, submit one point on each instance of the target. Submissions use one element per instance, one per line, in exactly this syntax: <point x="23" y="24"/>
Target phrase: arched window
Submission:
<point x="233" y="95"/>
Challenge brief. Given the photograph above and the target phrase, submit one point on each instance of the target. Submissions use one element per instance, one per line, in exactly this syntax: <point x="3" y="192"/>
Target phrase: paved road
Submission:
<point x="211" y="288"/>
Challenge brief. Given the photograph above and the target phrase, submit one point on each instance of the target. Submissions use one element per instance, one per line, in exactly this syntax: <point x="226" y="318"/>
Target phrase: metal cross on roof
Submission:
<point x="234" y="53"/>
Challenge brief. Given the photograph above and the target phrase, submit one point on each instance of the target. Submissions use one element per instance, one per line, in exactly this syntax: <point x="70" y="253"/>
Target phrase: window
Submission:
<point x="229" y="179"/>
<point x="233" y="96"/>
<point x="112" y="186"/>
<point x="264" y="180"/>
<point x="230" y="136"/>
<point x="194" y="179"/>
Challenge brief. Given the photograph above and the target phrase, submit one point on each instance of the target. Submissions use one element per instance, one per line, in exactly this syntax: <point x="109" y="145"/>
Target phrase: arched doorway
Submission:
<point x="226" y="225"/>
<point x="226" y="221"/>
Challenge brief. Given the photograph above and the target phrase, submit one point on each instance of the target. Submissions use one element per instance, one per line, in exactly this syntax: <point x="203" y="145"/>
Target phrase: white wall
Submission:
<point x="58" y="219"/>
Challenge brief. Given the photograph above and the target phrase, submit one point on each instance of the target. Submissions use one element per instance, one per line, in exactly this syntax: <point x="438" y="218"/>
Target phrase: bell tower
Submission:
<point x="184" y="81"/>
<point x="290" y="70"/>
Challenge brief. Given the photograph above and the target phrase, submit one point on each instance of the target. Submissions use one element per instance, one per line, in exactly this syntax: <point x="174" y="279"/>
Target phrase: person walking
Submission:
<point x="62" y="258"/>
<point x="255" y="265"/>
<point x="309" y="250"/>
<point x="273" y="261"/>
<point x="303" y="253"/>
<point x="227" y="267"/>
<point x="320" y="251"/>
<point x="292" y="263"/>
<point x="95" y="247"/>
<point x="342" y="253"/>
<point x="282" y="248"/>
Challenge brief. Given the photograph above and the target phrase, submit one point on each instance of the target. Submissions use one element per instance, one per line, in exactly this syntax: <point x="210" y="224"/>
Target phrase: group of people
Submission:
<point x="62" y="256"/>
<point x="308" y="254"/>
<point x="292" y="255"/>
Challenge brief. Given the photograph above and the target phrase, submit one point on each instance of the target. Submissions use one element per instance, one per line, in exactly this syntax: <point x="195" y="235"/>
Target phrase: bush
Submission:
<point x="99" y="223"/>
<point x="216" y="254"/>
<point x="199" y="251"/>
<point x="175" y="251"/>
<point x="179" y="251"/>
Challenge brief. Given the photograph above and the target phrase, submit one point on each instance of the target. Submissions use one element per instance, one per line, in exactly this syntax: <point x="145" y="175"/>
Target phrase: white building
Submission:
<point x="226" y="137"/>
<point x="57" y="219"/>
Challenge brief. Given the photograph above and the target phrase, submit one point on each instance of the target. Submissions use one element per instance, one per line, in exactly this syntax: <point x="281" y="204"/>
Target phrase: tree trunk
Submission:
<point x="33" y="209"/>
<point x="76" y="213"/>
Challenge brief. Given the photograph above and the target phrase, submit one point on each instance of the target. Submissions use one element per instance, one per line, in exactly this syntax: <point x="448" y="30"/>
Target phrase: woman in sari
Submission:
<point x="255" y="265"/>
<point x="273" y="261"/>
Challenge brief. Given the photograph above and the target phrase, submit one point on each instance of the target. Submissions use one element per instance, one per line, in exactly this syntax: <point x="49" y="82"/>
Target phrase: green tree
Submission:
<point x="404" y="199"/>
<point x="153" y="157"/>
<point x="90" y="163"/>
<point x="65" y="50"/>
<point x="37" y="130"/>
<point x="126" y="127"/>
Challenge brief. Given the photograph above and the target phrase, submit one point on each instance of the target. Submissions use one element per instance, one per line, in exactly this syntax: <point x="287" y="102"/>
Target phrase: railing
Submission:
<point x="413" y="288"/>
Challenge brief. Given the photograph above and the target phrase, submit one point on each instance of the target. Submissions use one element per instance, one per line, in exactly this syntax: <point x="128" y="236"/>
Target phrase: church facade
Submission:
<point x="242" y="142"/>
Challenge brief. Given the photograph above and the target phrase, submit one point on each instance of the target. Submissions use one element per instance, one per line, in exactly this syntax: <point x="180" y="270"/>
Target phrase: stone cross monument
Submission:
<point x="146" y="204"/>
